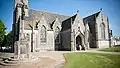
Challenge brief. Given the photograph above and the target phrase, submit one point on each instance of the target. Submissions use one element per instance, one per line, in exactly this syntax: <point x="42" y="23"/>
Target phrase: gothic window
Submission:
<point x="27" y="37"/>
<point x="78" y="28"/>
<point x="43" y="34"/>
<point x="57" y="35"/>
<point x="102" y="31"/>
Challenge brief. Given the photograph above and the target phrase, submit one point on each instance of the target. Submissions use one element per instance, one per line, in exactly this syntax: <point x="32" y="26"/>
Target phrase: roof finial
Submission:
<point x="77" y="11"/>
<point x="100" y="9"/>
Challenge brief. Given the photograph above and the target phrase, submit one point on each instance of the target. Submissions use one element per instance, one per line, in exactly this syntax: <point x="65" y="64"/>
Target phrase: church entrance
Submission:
<point x="79" y="44"/>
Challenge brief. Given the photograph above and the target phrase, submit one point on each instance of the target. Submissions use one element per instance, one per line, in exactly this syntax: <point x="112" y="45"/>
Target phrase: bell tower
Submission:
<point x="19" y="14"/>
<point x="18" y="6"/>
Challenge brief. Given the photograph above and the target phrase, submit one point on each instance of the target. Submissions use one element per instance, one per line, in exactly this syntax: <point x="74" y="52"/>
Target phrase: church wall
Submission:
<point x="57" y="25"/>
<point x="99" y="21"/>
<point x="68" y="31"/>
<point x="92" y="26"/>
<point x="78" y="28"/>
<point x="93" y="43"/>
<point x="35" y="38"/>
<point x="78" y="23"/>
<point x="38" y="46"/>
<point x="50" y="40"/>
<point x="66" y="25"/>
<point x="66" y="39"/>
<point x="87" y="34"/>
<point x="102" y="42"/>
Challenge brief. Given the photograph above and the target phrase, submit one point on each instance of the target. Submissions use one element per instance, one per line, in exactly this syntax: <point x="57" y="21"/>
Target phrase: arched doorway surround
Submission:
<point x="79" y="41"/>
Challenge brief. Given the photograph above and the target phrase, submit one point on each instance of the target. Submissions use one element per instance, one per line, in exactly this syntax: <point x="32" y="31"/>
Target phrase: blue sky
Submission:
<point x="67" y="7"/>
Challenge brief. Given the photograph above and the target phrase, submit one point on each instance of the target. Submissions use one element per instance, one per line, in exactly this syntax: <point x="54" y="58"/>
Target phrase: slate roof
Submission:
<point x="49" y="17"/>
<point x="69" y="19"/>
<point x="91" y="17"/>
<point x="66" y="24"/>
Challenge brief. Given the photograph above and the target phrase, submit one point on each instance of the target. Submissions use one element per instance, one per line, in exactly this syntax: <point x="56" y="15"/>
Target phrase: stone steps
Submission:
<point x="12" y="59"/>
<point x="7" y="64"/>
<point x="9" y="61"/>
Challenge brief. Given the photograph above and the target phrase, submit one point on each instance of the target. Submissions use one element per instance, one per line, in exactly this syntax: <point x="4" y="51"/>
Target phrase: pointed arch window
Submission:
<point x="57" y="35"/>
<point x="43" y="34"/>
<point x="102" y="31"/>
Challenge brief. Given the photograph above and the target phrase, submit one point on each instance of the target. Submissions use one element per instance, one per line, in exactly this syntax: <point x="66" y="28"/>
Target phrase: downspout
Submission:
<point x="96" y="31"/>
<point x="109" y="33"/>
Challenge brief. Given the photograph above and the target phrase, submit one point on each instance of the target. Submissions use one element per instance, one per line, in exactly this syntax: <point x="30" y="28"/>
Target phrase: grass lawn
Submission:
<point x="91" y="60"/>
<point x="112" y="49"/>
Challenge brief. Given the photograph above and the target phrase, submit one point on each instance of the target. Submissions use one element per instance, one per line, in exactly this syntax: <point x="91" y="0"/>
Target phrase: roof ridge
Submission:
<point x="92" y="14"/>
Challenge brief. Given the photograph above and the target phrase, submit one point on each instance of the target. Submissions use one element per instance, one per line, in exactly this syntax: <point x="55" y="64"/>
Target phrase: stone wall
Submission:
<point x="50" y="40"/>
<point x="101" y="18"/>
<point x="103" y="44"/>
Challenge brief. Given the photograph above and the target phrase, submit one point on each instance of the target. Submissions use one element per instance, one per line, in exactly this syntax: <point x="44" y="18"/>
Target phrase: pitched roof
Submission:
<point x="66" y="24"/>
<point x="49" y="16"/>
<point x="91" y="17"/>
<point x="69" y="19"/>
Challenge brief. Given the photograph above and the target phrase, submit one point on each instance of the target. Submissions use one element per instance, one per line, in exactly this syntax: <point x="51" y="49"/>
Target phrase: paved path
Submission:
<point x="55" y="55"/>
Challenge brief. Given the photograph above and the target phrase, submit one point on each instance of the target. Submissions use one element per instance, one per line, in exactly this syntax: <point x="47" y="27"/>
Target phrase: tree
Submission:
<point x="2" y="32"/>
<point x="9" y="39"/>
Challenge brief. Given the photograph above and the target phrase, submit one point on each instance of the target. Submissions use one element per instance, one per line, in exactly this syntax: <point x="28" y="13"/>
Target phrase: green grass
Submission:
<point x="112" y="49"/>
<point x="91" y="60"/>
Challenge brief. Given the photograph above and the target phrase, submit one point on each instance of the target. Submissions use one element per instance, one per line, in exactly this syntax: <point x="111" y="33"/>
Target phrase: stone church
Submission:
<point x="36" y="30"/>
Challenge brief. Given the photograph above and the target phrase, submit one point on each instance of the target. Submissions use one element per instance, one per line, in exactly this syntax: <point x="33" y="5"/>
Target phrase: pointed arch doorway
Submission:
<point x="78" y="42"/>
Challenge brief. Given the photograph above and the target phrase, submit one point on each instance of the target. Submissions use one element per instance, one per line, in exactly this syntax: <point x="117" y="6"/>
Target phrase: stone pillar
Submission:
<point x="33" y="41"/>
<point x="15" y="48"/>
<point x="18" y="47"/>
<point x="72" y="41"/>
<point x="22" y="25"/>
<point x="50" y="40"/>
<point x="28" y="49"/>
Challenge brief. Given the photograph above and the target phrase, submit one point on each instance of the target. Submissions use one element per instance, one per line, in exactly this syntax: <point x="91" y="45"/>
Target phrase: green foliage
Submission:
<point x="2" y="32"/>
<point x="91" y="60"/>
<point x="9" y="39"/>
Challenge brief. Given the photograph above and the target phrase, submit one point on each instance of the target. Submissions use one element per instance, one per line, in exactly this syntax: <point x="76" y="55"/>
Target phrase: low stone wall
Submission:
<point x="103" y="44"/>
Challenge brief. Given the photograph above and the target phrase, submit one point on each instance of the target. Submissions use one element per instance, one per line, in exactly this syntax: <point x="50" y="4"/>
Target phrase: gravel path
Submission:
<point x="46" y="60"/>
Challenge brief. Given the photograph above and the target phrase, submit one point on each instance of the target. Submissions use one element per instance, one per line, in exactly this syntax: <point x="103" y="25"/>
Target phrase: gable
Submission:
<point x="91" y="20"/>
<point x="48" y="16"/>
<point x="67" y="23"/>
<point x="78" y="24"/>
